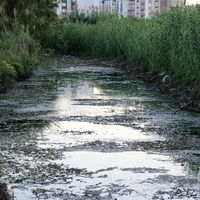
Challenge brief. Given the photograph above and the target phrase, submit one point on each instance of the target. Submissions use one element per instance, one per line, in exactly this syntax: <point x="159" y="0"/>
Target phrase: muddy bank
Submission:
<point x="84" y="130"/>
<point x="185" y="98"/>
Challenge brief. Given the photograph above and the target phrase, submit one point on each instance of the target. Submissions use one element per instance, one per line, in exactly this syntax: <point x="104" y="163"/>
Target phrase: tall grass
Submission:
<point x="167" y="43"/>
<point x="18" y="56"/>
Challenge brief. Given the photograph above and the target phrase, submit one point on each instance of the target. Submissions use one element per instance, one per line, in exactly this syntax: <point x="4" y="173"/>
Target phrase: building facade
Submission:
<point x="66" y="6"/>
<point x="133" y="8"/>
<point x="139" y="8"/>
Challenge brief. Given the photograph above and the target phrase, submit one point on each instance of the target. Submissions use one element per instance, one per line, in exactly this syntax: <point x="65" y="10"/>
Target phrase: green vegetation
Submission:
<point x="18" y="56"/>
<point x="38" y="16"/>
<point x="26" y="28"/>
<point x="168" y="43"/>
<point x="92" y="16"/>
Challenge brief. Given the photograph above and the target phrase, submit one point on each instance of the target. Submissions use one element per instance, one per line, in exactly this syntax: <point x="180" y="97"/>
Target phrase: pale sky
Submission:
<point x="192" y="1"/>
<point x="84" y="4"/>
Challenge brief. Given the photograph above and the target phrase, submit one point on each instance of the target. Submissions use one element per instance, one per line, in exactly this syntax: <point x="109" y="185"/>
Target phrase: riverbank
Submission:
<point x="26" y="29"/>
<point x="163" y="47"/>
<point x="18" y="57"/>
<point x="161" y="82"/>
<point x="166" y="86"/>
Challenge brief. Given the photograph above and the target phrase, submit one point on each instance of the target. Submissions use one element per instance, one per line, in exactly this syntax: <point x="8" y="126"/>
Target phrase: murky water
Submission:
<point x="82" y="130"/>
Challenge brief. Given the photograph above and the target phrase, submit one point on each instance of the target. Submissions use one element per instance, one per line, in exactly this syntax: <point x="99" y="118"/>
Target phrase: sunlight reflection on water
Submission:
<point x="134" y="171"/>
<point x="77" y="133"/>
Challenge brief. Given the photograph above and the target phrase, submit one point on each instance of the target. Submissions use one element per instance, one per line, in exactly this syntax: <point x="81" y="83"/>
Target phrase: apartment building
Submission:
<point x="115" y="6"/>
<point x="139" y="8"/>
<point x="145" y="8"/>
<point x="134" y="8"/>
<point x="83" y="5"/>
<point x="66" y="6"/>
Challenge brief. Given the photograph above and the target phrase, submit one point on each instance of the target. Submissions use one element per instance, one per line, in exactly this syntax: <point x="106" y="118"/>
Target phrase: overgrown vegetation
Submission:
<point x="26" y="27"/>
<point x="18" y="56"/>
<point x="92" y="16"/>
<point x="38" y="16"/>
<point x="168" y="43"/>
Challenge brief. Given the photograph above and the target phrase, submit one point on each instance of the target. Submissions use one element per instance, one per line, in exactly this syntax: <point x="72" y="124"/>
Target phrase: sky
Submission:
<point x="86" y="3"/>
<point x="192" y="1"/>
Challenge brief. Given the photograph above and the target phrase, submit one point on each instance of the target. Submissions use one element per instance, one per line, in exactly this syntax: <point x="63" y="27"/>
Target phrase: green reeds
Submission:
<point x="167" y="43"/>
<point x="18" y="56"/>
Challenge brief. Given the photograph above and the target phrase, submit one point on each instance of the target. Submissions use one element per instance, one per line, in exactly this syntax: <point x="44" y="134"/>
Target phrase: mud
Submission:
<point x="82" y="130"/>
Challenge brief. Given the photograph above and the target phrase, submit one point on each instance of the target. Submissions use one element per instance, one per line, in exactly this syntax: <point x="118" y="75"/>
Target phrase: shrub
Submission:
<point x="20" y="50"/>
<point x="7" y="74"/>
<point x="19" y="68"/>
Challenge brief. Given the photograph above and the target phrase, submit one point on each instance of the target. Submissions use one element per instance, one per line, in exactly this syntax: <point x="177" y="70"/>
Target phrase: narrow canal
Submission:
<point x="79" y="130"/>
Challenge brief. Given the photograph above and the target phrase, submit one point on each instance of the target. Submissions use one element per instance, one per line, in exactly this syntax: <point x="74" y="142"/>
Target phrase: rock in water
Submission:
<point x="4" y="195"/>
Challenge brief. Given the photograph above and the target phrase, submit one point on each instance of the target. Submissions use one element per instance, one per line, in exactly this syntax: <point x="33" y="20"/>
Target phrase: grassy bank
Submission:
<point x="166" y="44"/>
<point x="26" y="28"/>
<point x="18" y="57"/>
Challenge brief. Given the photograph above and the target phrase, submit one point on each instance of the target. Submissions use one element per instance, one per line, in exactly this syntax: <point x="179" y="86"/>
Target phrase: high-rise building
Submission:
<point x="139" y="8"/>
<point x="134" y="8"/>
<point x="83" y="5"/>
<point x="145" y="8"/>
<point x="66" y="6"/>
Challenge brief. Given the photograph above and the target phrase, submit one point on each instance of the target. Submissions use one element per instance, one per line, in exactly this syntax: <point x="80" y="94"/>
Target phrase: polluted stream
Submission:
<point x="80" y="130"/>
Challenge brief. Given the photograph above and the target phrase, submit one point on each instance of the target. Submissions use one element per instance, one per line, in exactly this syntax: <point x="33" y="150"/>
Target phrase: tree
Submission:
<point x="38" y="16"/>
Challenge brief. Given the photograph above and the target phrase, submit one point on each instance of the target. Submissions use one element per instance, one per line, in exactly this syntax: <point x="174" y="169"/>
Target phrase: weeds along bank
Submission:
<point x="26" y="27"/>
<point x="18" y="57"/>
<point x="168" y="43"/>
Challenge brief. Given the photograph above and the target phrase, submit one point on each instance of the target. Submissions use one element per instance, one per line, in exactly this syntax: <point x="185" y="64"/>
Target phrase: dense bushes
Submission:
<point x="18" y="56"/>
<point x="167" y="43"/>
<point x="7" y="74"/>
<point x="26" y="27"/>
<point x="39" y="17"/>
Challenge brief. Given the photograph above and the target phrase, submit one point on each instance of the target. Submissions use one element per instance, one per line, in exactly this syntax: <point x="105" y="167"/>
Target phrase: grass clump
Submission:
<point x="18" y="57"/>
<point x="19" y="68"/>
<point x="7" y="74"/>
<point x="168" y="43"/>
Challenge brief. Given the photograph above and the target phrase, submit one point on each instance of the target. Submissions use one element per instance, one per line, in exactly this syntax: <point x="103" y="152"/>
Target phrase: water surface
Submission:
<point x="84" y="130"/>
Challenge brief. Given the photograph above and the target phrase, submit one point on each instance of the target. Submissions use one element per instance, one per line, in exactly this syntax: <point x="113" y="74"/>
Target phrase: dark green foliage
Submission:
<point x="25" y="26"/>
<point x="18" y="56"/>
<point x="7" y="74"/>
<point x="38" y="17"/>
<point x="19" y="68"/>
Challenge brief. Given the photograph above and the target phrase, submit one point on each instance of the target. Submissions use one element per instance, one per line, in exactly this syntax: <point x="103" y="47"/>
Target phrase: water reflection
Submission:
<point x="97" y="91"/>
<point x="74" y="113"/>
<point x="133" y="171"/>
